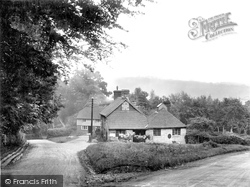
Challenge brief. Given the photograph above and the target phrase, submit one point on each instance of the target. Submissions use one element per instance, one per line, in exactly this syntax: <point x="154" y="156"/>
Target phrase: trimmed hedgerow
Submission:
<point x="152" y="156"/>
<point x="225" y="139"/>
<point x="59" y="132"/>
<point x="194" y="137"/>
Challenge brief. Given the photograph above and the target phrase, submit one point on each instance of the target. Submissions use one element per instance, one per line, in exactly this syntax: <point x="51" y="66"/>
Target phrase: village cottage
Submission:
<point x="122" y="117"/>
<point x="83" y="119"/>
<point x="164" y="127"/>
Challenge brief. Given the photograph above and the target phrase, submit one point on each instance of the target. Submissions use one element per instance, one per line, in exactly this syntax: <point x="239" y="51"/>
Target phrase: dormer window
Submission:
<point x="125" y="106"/>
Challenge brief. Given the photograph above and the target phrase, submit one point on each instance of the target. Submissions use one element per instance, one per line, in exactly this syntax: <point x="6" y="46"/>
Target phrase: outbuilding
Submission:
<point x="163" y="127"/>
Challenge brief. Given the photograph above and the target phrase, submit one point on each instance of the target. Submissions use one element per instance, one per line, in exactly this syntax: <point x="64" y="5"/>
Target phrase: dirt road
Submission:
<point x="231" y="170"/>
<point x="49" y="158"/>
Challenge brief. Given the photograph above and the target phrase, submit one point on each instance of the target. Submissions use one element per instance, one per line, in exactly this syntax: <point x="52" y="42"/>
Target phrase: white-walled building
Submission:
<point x="163" y="127"/>
<point x="121" y="117"/>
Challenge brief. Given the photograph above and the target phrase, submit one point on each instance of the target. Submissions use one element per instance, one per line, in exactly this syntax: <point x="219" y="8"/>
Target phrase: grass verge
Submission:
<point x="5" y="150"/>
<point x="62" y="139"/>
<point x="116" y="161"/>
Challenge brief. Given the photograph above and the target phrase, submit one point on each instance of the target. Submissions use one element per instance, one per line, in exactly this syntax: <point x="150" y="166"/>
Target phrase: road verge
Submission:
<point x="14" y="156"/>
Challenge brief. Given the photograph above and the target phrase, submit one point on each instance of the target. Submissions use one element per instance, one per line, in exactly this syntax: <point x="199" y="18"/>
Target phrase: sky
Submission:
<point x="159" y="45"/>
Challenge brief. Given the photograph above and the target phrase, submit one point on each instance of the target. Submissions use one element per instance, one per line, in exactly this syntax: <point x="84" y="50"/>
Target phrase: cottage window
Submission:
<point x="176" y="132"/>
<point x="84" y="127"/>
<point x="157" y="132"/>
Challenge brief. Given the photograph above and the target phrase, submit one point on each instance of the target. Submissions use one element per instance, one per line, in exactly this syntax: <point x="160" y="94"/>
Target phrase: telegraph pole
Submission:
<point x="92" y="103"/>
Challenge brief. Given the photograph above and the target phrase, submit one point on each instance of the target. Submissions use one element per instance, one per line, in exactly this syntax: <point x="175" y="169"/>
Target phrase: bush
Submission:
<point x="226" y="139"/>
<point x="210" y="144"/>
<point x="13" y="140"/>
<point x="196" y="137"/>
<point x="99" y="135"/>
<point x="59" y="132"/>
<point x="152" y="156"/>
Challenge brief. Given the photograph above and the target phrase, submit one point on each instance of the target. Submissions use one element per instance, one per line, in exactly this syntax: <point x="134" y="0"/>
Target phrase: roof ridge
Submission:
<point x="165" y="119"/>
<point x="134" y="106"/>
<point x="153" y="115"/>
<point x="110" y="106"/>
<point x="120" y="101"/>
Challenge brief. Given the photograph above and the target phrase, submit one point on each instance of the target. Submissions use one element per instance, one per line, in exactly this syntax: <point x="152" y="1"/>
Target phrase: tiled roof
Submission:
<point x="164" y="119"/>
<point x="114" y="105"/>
<point x="127" y="120"/>
<point x="85" y="113"/>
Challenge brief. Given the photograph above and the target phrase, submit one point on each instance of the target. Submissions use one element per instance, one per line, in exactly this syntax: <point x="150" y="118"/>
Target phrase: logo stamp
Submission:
<point x="211" y="28"/>
<point x="31" y="180"/>
<point x="7" y="181"/>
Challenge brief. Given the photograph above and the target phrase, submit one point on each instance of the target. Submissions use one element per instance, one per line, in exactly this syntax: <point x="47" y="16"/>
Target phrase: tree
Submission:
<point x="154" y="100"/>
<point x="217" y="114"/>
<point x="27" y="81"/>
<point x="36" y="38"/>
<point x="247" y="118"/>
<point x="81" y="87"/>
<point x="201" y="106"/>
<point x="140" y="97"/>
<point x="201" y="124"/>
<point x="234" y="112"/>
<point x="183" y="103"/>
<point x="247" y="105"/>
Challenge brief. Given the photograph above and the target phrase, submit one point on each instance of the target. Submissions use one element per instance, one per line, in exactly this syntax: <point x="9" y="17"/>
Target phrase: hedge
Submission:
<point x="58" y="132"/>
<point x="194" y="137"/>
<point x="225" y="139"/>
<point x="152" y="156"/>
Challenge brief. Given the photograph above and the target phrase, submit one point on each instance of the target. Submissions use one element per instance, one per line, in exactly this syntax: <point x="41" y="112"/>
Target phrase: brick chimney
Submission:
<point x="167" y="103"/>
<point x="120" y="93"/>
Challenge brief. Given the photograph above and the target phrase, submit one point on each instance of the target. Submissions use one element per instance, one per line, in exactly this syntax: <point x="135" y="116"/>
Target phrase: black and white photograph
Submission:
<point x="124" y="93"/>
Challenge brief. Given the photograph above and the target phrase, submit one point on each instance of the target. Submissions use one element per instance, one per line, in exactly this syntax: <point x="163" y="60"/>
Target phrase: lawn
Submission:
<point x="62" y="139"/>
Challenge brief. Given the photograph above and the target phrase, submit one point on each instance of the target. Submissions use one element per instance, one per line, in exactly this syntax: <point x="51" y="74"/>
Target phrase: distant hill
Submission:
<point x="193" y="88"/>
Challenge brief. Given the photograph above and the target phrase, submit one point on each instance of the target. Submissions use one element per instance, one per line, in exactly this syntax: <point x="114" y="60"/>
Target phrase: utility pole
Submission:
<point x="92" y="103"/>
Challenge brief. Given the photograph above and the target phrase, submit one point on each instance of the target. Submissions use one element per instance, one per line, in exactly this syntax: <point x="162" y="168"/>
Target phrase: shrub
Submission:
<point x="196" y="137"/>
<point x="99" y="135"/>
<point x="226" y="139"/>
<point x="59" y="132"/>
<point x="13" y="140"/>
<point x="210" y="144"/>
<point x="214" y="133"/>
